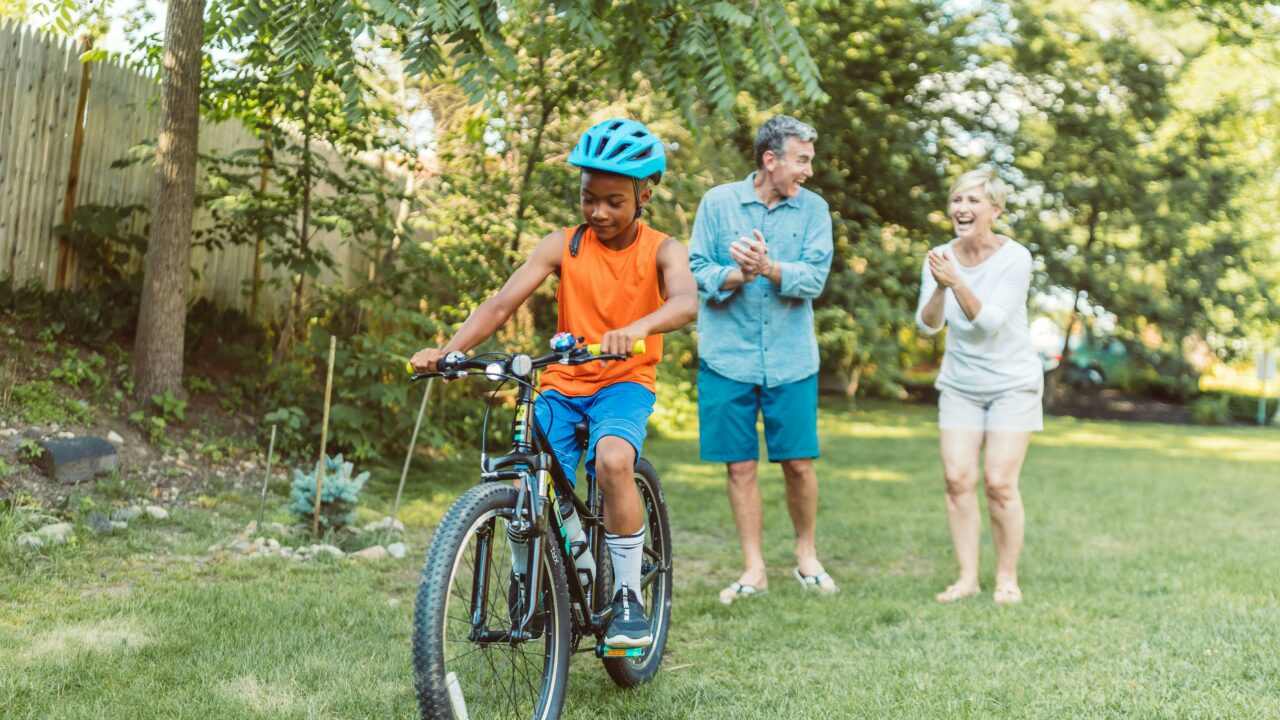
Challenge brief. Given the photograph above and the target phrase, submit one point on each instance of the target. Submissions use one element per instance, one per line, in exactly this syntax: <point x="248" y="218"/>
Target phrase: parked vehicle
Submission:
<point x="1089" y="365"/>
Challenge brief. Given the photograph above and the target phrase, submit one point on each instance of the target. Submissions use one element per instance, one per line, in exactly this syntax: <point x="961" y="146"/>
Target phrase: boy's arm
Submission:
<point x="492" y="313"/>
<point x="679" y="309"/>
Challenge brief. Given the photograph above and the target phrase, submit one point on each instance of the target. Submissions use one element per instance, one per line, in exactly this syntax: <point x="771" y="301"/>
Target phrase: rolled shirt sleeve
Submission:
<point x="805" y="278"/>
<point x="709" y="274"/>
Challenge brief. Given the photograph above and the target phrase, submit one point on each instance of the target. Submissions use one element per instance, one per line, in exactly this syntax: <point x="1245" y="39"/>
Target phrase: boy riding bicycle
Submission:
<point x="620" y="281"/>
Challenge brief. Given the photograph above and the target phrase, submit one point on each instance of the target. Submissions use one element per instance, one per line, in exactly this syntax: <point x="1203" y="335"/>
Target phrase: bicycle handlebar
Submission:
<point x="456" y="364"/>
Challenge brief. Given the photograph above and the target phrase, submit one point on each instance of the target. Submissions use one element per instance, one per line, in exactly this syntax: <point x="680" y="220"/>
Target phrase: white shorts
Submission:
<point x="1018" y="410"/>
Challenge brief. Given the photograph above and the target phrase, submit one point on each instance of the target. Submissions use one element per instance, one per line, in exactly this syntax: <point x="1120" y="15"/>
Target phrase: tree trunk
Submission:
<point x="1059" y="373"/>
<point x="1055" y="376"/>
<point x="284" y="347"/>
<point x="158" y="345"/>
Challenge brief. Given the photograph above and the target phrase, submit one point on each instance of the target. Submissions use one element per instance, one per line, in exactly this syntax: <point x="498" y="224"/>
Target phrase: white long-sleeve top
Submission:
<point x="992" y="352"/>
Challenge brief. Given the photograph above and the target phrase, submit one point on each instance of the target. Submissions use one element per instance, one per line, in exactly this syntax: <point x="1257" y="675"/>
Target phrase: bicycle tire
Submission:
<point x="630" y="672"/>
<point x="496" y="679"/>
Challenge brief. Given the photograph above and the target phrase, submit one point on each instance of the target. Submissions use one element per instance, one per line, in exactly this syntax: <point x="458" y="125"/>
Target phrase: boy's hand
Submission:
<point x="425" y="359"/>
<point x="621" y="341"/>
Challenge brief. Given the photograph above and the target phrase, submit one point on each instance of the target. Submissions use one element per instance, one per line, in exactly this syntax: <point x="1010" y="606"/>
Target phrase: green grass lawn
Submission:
<point x="1150" y="575"/>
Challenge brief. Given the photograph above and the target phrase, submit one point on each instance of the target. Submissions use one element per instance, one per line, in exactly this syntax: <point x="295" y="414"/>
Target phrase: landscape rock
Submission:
<point x="327" y="550"/>
<point x="7" y="432"/>
<point x="30" y="542"/>
<point x="56" y="534"/>
<point x="377" y="552"/>
<point x="65" y="435"/>
<point x="119" y="525"/>
<point x="383" y="524"/>
<point x="99" y="523"/>
<point x="70" y="461"/>
<point x="279" y="528"/>
<point x="126" y="514"/>
<point x="156" y="512"/>
<point x="114" y="438"/>
<point x="397" y="550"/>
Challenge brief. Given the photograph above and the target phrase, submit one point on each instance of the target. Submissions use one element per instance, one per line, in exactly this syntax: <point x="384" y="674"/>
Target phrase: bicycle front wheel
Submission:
<point x="466" y="663"/>
<point x="656" y="587"/>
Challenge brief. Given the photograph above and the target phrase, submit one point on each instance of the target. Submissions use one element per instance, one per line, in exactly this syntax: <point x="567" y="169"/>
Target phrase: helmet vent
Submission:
<point x="623" y="147"/>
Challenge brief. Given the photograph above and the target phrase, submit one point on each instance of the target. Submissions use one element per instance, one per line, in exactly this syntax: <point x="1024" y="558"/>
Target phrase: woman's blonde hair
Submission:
<point x="985" y="178"/>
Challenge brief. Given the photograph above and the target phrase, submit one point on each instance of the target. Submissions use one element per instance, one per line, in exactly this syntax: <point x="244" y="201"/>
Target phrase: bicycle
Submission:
<point x="470" y="657"/>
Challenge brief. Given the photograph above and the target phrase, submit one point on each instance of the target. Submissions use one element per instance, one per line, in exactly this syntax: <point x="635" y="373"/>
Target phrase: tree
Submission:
<point x="158" y="346"/>
<point x="15" y="9"/>
<point x="879" y="166"/>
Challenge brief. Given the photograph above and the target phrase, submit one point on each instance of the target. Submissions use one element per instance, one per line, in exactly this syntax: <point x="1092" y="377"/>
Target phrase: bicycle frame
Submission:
<point x="532" y="465"/>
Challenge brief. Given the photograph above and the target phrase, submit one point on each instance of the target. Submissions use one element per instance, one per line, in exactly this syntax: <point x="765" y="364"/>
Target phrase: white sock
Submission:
<point x="519" y="554"/>
<point x="627" y="553"/>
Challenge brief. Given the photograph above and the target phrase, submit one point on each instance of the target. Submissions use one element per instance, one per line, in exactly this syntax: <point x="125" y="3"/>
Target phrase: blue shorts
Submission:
<point x="618" y="410"/>
<point x="727" y="413"/>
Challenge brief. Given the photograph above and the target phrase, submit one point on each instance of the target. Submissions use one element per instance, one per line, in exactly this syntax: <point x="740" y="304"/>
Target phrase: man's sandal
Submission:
<point x="738" y="591"/>
<point x="821" y="582"/>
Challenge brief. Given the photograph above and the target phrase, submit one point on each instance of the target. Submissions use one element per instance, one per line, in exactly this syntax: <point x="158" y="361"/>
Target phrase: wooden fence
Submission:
<point x="40" y="81"/>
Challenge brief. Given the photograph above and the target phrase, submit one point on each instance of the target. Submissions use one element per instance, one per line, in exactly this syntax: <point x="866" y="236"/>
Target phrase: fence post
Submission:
<point x="73" y="177"/>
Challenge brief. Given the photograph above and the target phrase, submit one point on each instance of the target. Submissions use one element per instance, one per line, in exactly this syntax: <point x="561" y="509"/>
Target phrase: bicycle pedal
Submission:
<point x="604" y="651"/>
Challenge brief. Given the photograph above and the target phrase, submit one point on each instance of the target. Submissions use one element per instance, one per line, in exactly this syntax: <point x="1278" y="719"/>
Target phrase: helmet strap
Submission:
<point x="635" y="186"/>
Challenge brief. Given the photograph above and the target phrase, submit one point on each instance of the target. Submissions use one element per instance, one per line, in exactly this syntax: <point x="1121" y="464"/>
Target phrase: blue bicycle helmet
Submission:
<point x="623" y="147"/>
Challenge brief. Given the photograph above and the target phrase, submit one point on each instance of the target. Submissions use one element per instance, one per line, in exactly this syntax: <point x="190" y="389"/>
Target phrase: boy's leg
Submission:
<point x="619" y="415"/>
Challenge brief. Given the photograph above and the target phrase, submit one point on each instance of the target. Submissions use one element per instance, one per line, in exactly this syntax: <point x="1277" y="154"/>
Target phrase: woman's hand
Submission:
<point x="943" y="270"/>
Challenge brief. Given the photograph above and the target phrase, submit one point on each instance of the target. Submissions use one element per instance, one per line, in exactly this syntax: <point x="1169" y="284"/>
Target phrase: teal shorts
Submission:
<point x="728" y="411"/>
<point x="618" y="410"/>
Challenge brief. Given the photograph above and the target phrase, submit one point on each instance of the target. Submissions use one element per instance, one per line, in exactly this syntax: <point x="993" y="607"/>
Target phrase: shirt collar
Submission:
<point x="747" y="193"/>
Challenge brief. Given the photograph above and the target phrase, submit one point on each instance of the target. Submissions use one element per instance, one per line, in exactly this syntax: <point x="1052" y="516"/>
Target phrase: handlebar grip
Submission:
<point x="408" y="367"/>
<point x="637" y="349"/>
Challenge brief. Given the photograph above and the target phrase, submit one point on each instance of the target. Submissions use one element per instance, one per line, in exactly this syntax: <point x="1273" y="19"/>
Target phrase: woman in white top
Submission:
<point x="990" y="383"/>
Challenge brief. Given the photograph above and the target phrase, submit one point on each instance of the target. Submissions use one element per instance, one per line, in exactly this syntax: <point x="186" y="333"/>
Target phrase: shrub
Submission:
<point x="1239" y="407"/>
<point x="1211" y="411"/>
<point x="40" y="401"/>
<point x="338" y="497"/>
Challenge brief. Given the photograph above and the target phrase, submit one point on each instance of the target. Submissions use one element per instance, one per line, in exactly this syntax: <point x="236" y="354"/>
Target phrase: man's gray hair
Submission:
<point x="773" y="135"/>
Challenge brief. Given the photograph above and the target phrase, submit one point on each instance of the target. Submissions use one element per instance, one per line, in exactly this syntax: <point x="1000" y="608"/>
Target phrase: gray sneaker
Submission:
<point x="628" y="627"/>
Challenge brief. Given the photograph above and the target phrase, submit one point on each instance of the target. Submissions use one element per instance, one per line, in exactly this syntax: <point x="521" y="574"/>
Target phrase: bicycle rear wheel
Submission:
<point x="656" y="594"/>
<point x="464" y="661"/>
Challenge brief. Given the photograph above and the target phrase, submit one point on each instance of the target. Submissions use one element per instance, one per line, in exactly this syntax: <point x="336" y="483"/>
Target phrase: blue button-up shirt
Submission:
<point x="760" y="333"/>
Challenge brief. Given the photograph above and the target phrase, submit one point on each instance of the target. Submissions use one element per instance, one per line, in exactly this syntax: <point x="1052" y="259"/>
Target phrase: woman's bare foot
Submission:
<point x="959" y="590"/>
<point x="1007" y="592"/>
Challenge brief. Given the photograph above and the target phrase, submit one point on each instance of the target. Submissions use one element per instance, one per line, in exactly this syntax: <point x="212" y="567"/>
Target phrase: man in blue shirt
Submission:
<point x="760" y="251"/>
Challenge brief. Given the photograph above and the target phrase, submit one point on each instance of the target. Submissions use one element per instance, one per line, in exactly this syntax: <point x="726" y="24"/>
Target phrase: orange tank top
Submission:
<point x="602" y="290"/>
